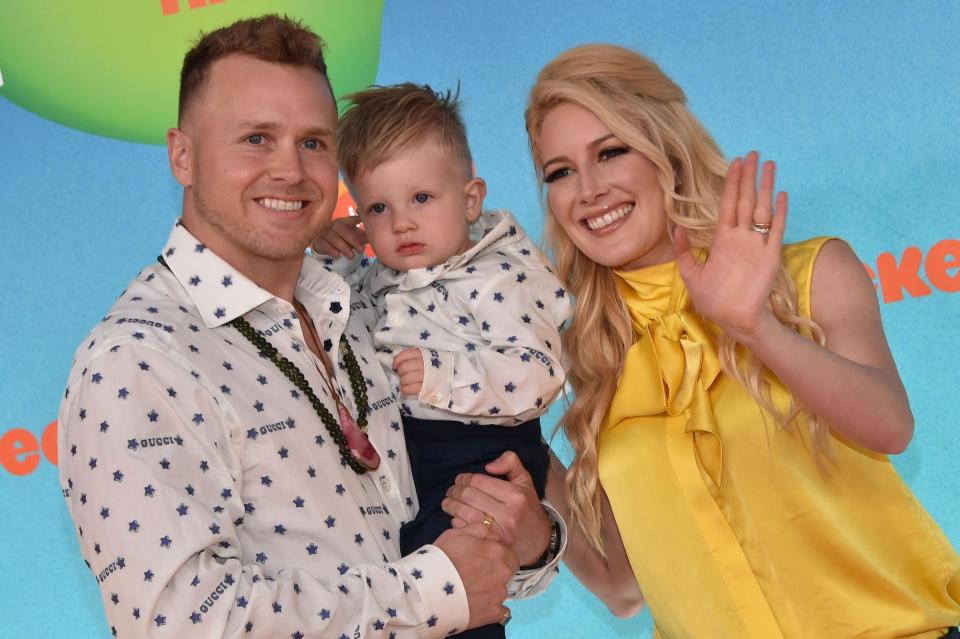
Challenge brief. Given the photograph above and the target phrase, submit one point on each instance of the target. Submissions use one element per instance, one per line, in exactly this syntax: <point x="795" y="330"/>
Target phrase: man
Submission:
<point x="212" y="453"/>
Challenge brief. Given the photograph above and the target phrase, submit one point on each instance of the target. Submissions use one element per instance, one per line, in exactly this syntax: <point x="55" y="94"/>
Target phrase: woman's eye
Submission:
<point x="421" y="197"/>
<point x="256" y="138"/>
<point x="379" y="207"/>
<point x="613" y="152"/>
<point x="553" y="176"/>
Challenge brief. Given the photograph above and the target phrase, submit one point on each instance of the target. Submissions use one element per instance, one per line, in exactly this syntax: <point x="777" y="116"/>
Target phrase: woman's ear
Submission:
<point x="474" y="192"/>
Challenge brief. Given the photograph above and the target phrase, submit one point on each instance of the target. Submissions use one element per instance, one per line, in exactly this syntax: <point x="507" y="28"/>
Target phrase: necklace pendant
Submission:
<point x="361" y="448"/>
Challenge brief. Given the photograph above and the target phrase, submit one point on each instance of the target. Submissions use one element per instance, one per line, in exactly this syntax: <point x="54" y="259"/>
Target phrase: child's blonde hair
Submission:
<point x="382" y="122"/>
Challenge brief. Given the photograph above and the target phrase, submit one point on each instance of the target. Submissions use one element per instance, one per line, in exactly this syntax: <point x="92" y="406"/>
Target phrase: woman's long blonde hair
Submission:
<point x="647" y="111"/>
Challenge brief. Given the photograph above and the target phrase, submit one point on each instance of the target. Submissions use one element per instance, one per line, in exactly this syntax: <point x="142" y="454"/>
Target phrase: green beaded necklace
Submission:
<point x="292" y="372"/>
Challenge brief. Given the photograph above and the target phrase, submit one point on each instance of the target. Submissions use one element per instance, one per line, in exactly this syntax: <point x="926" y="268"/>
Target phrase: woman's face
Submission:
<point x="603" y="193"/>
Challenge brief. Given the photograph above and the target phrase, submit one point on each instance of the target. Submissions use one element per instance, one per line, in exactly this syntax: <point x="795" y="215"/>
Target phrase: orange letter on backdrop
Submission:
<point x="13" y="444"/>
<point x="48" y="442"/>
<point x="906" y="275"/>
<point x="173" y="6"/>
<point x="943" y="256"/>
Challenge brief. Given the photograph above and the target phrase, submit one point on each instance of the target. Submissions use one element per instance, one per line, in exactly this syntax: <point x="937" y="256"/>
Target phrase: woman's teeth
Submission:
<point x="281" y="205"/>
<point x="607" y="219"/>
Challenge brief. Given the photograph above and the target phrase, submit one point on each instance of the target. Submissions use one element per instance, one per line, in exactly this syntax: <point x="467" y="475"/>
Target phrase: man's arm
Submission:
<point x="535" y="530"/>
<point x="160" y="524"/>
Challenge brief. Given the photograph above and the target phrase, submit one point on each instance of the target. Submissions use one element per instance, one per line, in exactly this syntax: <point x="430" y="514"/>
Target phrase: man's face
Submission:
<point x="259" y="161"/>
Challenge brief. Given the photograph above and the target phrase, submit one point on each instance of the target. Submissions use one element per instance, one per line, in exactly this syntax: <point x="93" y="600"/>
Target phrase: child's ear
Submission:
<point x="474" y="193"/>
<point x="180" y="154"/>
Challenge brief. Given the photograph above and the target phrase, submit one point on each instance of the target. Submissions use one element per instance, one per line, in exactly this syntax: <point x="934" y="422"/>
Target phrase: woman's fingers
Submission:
<point x="763" y="211"/>
<point x="727" y="216"/>
<point x="747" y="195"/>
<point x="779" y="224"/>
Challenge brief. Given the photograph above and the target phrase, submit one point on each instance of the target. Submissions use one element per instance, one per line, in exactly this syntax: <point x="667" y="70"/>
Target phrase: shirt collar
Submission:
<point x="498" y="229"/>
<point x="221" y="293"/>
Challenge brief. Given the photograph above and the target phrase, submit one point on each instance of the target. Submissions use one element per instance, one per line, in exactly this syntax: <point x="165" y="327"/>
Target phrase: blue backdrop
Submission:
<point x="857" y="103"/>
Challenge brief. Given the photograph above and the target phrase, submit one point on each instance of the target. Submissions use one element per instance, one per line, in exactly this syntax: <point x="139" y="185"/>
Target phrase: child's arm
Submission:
<point x="357" y="270"/>
<point x="339" y="247"/>
<point x="515" y="369"/>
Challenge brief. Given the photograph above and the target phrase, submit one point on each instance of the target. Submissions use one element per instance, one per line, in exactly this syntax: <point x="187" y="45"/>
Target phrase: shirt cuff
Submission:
<point x="437" y="378"/>
<point x="433" y="576"/>
<point x="529" y="583"/>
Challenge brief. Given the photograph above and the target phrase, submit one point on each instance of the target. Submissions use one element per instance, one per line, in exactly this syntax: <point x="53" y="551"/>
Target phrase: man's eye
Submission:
<point x="256" y="138"/>
<point x="553" y="176"/>
<point x="313" y="144"/>
<point x="421" y="197"/>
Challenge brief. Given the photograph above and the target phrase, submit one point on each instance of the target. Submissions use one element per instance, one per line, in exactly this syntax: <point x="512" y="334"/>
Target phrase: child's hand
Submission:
<point x="340" y="238"/>
<point x="408" y="364"/>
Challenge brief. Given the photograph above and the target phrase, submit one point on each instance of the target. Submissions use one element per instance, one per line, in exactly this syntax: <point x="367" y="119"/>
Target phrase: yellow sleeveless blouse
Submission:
<point x="730" y="527"/>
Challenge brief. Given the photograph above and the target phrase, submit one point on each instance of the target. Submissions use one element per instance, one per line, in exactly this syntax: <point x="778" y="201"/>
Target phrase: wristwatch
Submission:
<point x="553" y="546"/>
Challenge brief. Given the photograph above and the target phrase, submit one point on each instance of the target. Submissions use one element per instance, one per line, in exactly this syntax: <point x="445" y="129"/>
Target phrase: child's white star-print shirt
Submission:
<point x="486" y="323"/>
<point x="209" y="499"/>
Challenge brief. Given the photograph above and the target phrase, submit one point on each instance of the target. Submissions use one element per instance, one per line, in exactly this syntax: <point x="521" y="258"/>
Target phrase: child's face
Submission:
<point x="417" y="208"/>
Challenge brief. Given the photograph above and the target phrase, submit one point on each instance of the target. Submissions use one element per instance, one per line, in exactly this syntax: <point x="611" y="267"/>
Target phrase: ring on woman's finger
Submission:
<point x="763" y="229"/>
<point x="488" y="520"/>
<point x="505" y="617"/>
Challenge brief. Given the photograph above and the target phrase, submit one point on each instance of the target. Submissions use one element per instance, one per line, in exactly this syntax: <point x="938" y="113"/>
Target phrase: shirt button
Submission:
<point x="396" y="318"/>
<point x="384" y="482"/>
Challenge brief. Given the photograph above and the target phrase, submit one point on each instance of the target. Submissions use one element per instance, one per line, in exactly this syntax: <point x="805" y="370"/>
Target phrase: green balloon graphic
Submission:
<point x="112" y="67"/>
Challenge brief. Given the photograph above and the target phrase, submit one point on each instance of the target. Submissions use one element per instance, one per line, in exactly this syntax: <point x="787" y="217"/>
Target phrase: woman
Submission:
<point x="735" y="399"/>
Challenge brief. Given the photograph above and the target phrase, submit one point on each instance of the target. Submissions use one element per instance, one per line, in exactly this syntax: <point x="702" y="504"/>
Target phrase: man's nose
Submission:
<point x="287" y="164"/>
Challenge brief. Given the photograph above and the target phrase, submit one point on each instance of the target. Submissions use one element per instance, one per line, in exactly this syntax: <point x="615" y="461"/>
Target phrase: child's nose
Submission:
<point x="403" y="220"/>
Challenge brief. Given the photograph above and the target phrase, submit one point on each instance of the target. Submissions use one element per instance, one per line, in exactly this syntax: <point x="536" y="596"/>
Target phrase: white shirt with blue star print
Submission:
<point x="209" y="499"/>
<point x="486" y="323"/>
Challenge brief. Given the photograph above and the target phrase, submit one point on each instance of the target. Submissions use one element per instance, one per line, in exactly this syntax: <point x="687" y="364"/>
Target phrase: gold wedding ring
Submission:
<point x="488" y="521"/>
<point x="505" y="617"/>
<point x="763" y="229"/>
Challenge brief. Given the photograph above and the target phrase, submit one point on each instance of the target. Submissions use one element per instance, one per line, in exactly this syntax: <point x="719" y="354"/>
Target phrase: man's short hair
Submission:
<point x="270" y="38"/>
<point x="382" y="122"/>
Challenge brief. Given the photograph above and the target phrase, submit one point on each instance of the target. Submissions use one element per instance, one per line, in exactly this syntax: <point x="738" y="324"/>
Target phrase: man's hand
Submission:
<point x="519" y="518"/>
<point x="484" y="566"/>
<point x="408" y="365"/>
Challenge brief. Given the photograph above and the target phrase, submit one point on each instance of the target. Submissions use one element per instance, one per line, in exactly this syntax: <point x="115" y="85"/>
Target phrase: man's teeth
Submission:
<point x="281" y="205"/>
<point x="607" y="219"/>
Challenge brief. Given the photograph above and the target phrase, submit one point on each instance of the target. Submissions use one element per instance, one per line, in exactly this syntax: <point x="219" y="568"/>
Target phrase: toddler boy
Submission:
<point x="468" y="325"/>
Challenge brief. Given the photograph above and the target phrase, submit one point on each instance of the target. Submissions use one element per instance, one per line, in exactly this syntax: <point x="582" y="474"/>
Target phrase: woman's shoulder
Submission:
<point x="800" y="255"/>
<point x="830" y="263"/>
<point x="799" y="258"/>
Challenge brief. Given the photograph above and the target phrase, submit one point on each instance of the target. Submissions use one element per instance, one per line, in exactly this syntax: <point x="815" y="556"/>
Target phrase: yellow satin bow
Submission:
<point x="671" y="364"/>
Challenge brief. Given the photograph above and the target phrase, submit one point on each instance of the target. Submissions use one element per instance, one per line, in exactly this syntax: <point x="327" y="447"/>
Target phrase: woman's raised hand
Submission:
<point x="732" y="286"/>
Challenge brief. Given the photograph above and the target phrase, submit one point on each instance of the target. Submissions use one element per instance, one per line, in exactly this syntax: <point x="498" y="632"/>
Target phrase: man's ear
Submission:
<point x="474" y="193"/>
<point x="180" y="155"/>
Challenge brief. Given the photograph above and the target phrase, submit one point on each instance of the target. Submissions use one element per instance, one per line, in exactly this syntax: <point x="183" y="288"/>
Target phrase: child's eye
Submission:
<point x="379" y="207"/>
<point x="421" y="197"/>
<point x="558" y="174"/>
<point x="613" y="152"/>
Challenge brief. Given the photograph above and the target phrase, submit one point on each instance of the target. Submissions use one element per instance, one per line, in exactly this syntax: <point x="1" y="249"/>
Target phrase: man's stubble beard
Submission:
<point x="232" y="229"/>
